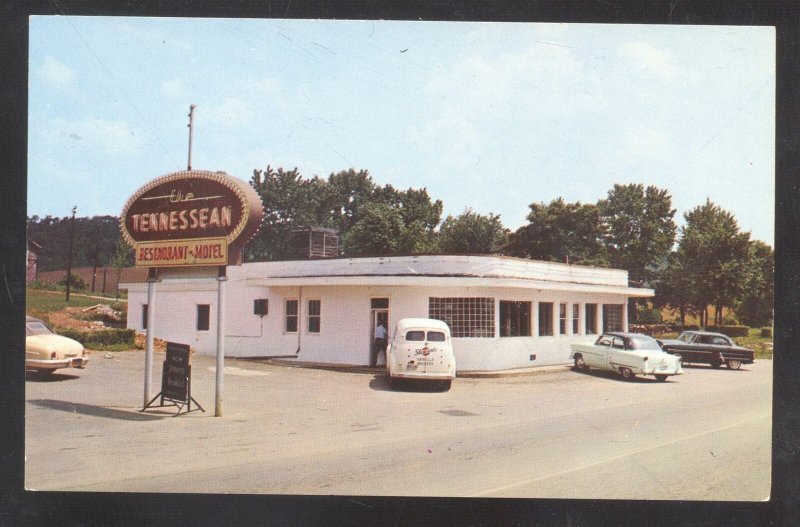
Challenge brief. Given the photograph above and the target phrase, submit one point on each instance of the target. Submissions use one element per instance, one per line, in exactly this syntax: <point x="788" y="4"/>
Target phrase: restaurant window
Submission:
<point x="612" y="317"/>
<point x="591" y="319"/>
<point x="576" y="318"/>
<point x="467" y="317"/>
<point x="314" y="309"/>
<point x="290" y="325"/>
<point x="545" y="319"/>
<point x="203" y="317"/>
<point x="515" y="319"/>
<point x="562" y="319"/>
<point x="144" y="316"/>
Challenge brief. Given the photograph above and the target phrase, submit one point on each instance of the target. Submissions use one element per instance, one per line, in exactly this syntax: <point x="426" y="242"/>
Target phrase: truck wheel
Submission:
<point x="661" y="377"/>
<point x="734" y="364"/>
<point x="627" y="373"/>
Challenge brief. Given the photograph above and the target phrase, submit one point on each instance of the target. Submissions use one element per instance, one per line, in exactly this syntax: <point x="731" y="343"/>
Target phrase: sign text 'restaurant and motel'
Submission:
<point x="191" y="218"/>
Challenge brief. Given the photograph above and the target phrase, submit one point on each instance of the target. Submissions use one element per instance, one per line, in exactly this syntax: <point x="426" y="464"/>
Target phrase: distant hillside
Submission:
<point x="95" y="241"/>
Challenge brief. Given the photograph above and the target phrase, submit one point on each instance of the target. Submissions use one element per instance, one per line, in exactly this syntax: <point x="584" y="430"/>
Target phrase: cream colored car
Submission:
<point x="47" y="352"/>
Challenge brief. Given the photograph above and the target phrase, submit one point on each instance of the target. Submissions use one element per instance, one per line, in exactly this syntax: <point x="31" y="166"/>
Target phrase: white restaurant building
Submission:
<point x="504" y="313"/>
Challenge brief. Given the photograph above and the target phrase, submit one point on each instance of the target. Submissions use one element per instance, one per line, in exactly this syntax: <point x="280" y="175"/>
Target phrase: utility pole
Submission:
<point x="71" y="242"/>
<point x="191" y="121"/>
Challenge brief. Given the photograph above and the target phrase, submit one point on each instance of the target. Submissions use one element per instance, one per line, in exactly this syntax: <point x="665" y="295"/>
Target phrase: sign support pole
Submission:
<point x="152" y="278"/>
<point x="221" y="279"/>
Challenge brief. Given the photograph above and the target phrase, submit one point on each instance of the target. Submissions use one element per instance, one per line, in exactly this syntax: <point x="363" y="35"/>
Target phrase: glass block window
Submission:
<point x="291" y="316"/>
<point x="515" y="319"/>
<point x="467" y="317"/>
<point x="612" y="317"/>
<point x="591" y="319"/>
<point x="545" y="319"/>
<point x="314" y="309"/>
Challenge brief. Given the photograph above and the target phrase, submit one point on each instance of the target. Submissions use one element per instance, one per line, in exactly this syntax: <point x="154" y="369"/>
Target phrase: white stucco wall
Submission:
<point x="345" y="320"/>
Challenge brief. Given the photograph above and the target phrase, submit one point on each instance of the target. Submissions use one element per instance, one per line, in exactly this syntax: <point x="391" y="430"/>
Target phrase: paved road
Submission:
<point x="705" y="435"/>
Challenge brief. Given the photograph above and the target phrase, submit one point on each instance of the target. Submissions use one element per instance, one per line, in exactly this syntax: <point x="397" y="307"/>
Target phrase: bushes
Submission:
<point x="766" y="333"/>
<point x="648" y="316"/>
<point x="100" y="340"/>
<point x="731" y="331"/>
<point x="75" y="282"/>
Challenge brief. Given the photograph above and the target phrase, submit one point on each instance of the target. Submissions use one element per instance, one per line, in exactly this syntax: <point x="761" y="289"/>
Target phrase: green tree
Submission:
<point x="756" y="306"/>
<point x="379" y="231"/>
<point x="97" y="235"/>
<point x="289" y="202"/>
<point x="717" y="258"/>
<point x="561" y="232"/>
<point x="673" y="286"/>
<point x="639" y="229"/>
<point x="472" y="233"/>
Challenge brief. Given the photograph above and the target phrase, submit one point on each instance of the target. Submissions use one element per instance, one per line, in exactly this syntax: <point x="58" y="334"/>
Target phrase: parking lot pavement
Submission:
<point x="314" y="431"/>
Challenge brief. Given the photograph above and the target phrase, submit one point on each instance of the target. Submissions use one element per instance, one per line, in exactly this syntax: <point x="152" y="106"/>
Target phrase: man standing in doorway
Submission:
<point x="378" y="345"/>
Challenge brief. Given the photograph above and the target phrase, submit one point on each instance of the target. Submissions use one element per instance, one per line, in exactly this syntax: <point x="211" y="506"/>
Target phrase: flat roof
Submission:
<point x="428" y="270"/>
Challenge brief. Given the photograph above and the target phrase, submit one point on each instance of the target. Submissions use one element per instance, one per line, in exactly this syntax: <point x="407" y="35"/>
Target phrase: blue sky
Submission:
<point x="492" y="116"/>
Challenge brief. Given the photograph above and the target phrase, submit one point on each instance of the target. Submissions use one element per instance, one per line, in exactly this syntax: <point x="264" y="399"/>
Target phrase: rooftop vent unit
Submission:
<point x="314" y="242"/>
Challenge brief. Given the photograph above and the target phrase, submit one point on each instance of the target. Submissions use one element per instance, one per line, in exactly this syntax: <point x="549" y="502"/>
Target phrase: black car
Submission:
<point x="706" y="347"/>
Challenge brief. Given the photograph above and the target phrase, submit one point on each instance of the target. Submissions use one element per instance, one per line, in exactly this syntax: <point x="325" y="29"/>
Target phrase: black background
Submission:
<point x="18" y="507"/>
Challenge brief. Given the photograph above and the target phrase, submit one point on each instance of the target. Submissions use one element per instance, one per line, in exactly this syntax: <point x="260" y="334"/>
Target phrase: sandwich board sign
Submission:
<point x="176" y="380"/>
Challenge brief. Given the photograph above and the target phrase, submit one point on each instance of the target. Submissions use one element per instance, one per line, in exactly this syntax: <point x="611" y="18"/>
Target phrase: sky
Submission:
<point x="487" y="116"/>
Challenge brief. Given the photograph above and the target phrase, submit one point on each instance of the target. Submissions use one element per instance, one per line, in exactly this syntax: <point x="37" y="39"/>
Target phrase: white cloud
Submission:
<point x="109" y="137"/>
<point x="232" y="112"/>
<point x="174" y="88"/>
<point x="647" y="143"/>
<point x="57" y="74"/>
<point x="650" y="58"/>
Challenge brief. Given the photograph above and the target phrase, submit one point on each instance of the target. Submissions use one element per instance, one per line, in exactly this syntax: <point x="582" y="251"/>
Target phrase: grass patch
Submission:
<point x="761" y="345"/>
<point x="39" y="302"/>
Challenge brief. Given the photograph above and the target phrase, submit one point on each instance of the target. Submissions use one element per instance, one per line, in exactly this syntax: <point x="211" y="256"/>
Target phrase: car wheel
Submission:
<point x="627" y="373"/>
<point x="661" y="377"/>
<point x="734" y="364"/>
<point x="580" y="364"/>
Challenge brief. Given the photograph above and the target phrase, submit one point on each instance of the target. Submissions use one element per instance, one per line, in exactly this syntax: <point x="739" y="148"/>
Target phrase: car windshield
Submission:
<point x="644" y="343"/>
<point x="686" y="337"/>
<point x="36" y="327"/>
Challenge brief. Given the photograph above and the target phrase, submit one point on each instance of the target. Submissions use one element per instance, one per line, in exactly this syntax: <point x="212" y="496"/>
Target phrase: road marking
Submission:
<point x="615" y="458"/>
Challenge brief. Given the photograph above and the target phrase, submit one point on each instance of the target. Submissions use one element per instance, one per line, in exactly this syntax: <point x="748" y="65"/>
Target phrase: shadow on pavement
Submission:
<point x="612" y="375"/>
<point x="381" y="383"/>
<point x="98" y="411"/>
<point x="35" y="376"/>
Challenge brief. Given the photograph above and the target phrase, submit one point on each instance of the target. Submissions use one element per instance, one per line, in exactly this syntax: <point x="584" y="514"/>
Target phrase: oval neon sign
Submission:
<point x="192" y="204"/>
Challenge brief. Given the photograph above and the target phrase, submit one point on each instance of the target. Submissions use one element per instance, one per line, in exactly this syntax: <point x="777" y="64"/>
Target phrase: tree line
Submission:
<point x="707" y="263"/>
